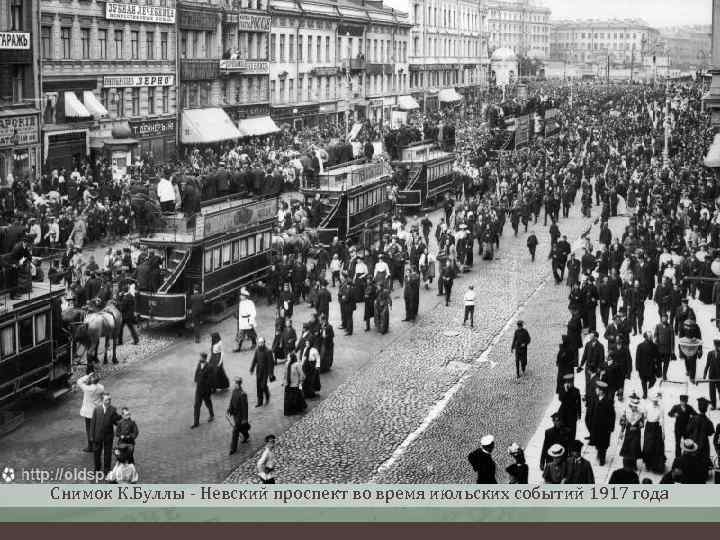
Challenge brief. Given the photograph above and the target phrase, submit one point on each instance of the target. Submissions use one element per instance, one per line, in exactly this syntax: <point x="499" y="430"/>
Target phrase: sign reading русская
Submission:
<point x="134" y="12"/>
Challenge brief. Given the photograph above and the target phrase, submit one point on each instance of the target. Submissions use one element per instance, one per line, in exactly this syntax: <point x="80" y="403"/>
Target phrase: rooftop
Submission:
<point x="39" y="288"/>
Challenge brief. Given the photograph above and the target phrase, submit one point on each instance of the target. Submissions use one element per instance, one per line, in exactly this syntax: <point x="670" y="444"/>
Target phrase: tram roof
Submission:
<point x="41" y="290"/>
<point x="356" y="173"/>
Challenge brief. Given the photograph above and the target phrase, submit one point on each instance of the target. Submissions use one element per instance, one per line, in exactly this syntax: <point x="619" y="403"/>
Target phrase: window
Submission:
<point x="226" y="254"/>
<point x="208" y="45"/>
<point x="235" y="250"/>
<point x="251" y="245"/>
<point x="272" y="90"/>
<point x="195" y="43"/>
<point x="120" y="110"/>
<point x="300" y="48"/>
<point x="136" y="102"/>
<point x="259" y="242"/>
<point x="184" y="44"/>
<point x="102" y="43"/>
<point x="266" y="240"/>
<point x="25" y="333"/>
<point x="119" y="43"/>
<point x="208" y="261"/>
<point x="204" y="94"/>
<point x="105" y="98"/>
<point x="151" y="100"/>
<point x="85" y="42"/>
<point x="318" y="53"/>
<point x="327" y="87"/>
<point x="301" y="79"/>
<point x="134" y="44"/>
<point x="41" y="324"/>
<point x="243" y="248"/>
<point x="16" y="15"/>
<point x="309" y="51"/>
<point x="327" y="49"/>
<point x="291" y="91"/>
<point x="281" y="55"/>
<point x="164" y="45"/>
<point x="65" y="38"/>
<point x="150" y="45"/>
<point x="165" y="99"/>
<point x="282" y="91"/>
<point x="7" y="341"/>
<point x="273" y="43"/>
<point x="45" y="33"/>
<point x="216" y="258"/>
<point x="291" y="48"/>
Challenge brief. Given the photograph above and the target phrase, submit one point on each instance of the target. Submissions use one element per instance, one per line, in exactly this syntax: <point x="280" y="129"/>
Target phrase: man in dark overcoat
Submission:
<point x="557" y="434"/>
<point x="238" y="412"/>
<point x="482" y="462"/>
<point x="263" y="364"/>
<point x="203" y="390"/>
<point x="520" y="342"/>
<point x="603" y="421"/>
<point x="646" y="363"/>
<point x="102" y="432"/>
<point x="570" y="410"/>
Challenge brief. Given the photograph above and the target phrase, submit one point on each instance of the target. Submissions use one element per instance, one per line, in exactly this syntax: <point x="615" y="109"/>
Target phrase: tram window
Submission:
<point x="25" y="333"/>
<point x="243" y="248"/>
<point x="208" y="261"/>
<point x="226" y="255"/>
<point x="216" y="258"/>
<point x="251" y="245"/>
<point x="267" y="240"/>
<point x="7" y="341"/>
<point x="41" y="322"/>
<point x="259" y="242"/>
<point x="235" y="250"/>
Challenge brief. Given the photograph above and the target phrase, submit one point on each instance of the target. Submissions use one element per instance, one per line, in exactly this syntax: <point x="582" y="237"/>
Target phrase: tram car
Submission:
<point x="35" y="350"/>
<point x="225" y="247"/>
<point x="430" y="174"/>
<point x="354" y="195"/>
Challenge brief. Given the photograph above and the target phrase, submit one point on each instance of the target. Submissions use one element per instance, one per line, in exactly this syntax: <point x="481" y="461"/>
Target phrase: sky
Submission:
<point x="657" y="13"/>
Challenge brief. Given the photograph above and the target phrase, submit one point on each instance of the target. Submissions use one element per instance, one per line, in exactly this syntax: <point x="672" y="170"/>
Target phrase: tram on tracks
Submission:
<point x="35" y="349"/>
<point x="354" y="195"/>
<point x="430" y="174"/>
<point x="224" y="247"/>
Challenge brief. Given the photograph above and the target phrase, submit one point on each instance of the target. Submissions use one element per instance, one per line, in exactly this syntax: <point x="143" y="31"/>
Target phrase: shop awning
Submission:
<point x="93" y="105"/>
<point x="262" y="125"/>
<point x="449" y="95"/>
<point x="74" y="107"/>
<point x="407" y="103"/>
<point x="206" y="126"/>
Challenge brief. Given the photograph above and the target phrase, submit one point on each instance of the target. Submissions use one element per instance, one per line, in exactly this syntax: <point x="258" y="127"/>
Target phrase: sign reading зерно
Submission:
<point x="15" y="40"/>
<point x="130" y="81"/>
<point x="134" y="12"/>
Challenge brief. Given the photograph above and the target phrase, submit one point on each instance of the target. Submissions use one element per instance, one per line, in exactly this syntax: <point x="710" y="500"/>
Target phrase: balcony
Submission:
<point x="355" y="64"/>
<point x="199" y="70"/>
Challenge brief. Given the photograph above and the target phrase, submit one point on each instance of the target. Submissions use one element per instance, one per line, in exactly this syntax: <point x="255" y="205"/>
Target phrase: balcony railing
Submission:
<point x="355" y="64"/>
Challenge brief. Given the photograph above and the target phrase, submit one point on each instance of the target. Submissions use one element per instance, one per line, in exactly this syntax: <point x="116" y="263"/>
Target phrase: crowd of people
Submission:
<point x="667" y="254"/>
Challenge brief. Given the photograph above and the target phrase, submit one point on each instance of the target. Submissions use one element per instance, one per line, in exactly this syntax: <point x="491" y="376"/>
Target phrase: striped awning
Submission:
<point x="74" y="107"/>
<point x="93" y="105"/>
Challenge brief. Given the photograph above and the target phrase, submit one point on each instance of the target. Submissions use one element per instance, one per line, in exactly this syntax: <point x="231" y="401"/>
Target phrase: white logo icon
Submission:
<point x="8" y="475"/>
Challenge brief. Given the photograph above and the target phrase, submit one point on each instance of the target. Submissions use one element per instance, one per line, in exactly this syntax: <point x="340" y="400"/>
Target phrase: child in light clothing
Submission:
<point x="335" y="268"/>
<point x="469" y="301"/>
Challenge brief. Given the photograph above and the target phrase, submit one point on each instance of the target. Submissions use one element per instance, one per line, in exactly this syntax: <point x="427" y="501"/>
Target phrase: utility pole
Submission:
<point x="666" y="125"/>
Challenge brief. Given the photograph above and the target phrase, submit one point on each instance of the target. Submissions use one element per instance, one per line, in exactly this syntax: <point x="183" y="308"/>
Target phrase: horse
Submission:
<point x="105" y="323"/>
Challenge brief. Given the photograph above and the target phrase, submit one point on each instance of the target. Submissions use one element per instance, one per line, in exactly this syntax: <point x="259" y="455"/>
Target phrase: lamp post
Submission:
<point x="711" y="100"/>
<point x="666" y="125"/>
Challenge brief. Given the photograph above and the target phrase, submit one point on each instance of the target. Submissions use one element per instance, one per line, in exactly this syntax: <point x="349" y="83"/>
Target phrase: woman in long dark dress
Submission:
<point x="219" y="377"/>
<point x="327" y="345"/>
<point x="653" y="452"/>
<point x="294" y="377"/>
<point x="631" y="424"/>
<point x="310" y="365"/>
<point x="369" y="298"/>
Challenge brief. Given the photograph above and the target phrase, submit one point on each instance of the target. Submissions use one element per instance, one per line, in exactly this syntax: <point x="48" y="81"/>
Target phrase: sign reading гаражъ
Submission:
<point x="134" y="12"/>
<point x="15" y="40"/>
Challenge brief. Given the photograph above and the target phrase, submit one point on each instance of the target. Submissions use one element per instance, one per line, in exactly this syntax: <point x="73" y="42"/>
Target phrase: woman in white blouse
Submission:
<point x="653" y="452"/>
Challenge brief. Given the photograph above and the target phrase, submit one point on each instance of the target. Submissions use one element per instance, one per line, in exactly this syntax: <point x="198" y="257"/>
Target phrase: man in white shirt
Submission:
<point x="246" y="320"/>
<point x="469" y="301"/>
<point x="166" y="194"/>
<point x="92" y="397"/>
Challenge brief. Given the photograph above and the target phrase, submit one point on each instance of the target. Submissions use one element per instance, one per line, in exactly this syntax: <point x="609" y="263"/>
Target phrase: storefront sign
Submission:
<point x="18" y="130"/>
<point x="326" y="70"/>
<point x="409" y="198"/>
<point x="14" y="40"/>
<point x="303" y="110"/>
<point x="134" y="12"/>
<point x="21" y="155"/>
<point x="355" y="31"/>
<point x="250" y="67"/>
<point x="160" y="127"/>
<point x="237" y="218"/>
<point x="195" y="19"/>
<point x="253" y="23"/>
<point x="131" y="81"/>
<point x="328" y="108"/>
<point x="248" y="111"/>
<point x="376" y="103"/>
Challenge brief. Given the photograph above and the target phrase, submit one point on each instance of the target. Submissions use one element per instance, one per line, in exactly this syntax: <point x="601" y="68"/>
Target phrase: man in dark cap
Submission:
<point x="238" y="412"/>
<point x="557" y="434"/>
<point x="683" y="313"/>
<point x="520" y="342"/>
<point x="699" y="429"/>
<point x="681" y="412"/>
<point x="647" y="361"/>
<point x="203" y="384"/>
<point x="712" y="373"/>
<point x="690" y="331"/>
<point x="482" y="462"/>
<point x="570" y="410"/>
<point x="603" y="421"/>
<point x="579" y="470"/>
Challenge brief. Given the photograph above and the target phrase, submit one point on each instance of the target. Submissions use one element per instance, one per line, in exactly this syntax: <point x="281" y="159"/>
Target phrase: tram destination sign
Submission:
<point x="232" y="219"/>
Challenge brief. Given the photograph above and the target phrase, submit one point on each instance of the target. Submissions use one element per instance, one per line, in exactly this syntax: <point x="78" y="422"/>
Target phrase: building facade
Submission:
<point x="522" y="26"/>
<point x="448" y="48"/>
<point x="331" y="61"/>
<point x="20" y="147"/>
<point x="623" y="42"/>
<point x="689" y="47"/>
<point x="108" y="81"/>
